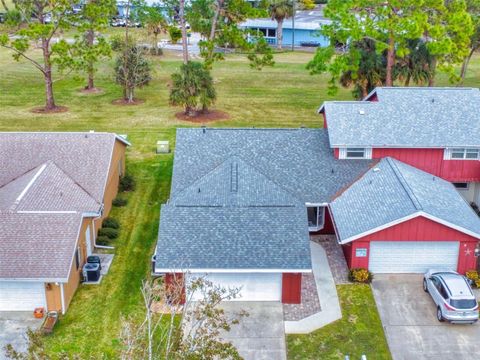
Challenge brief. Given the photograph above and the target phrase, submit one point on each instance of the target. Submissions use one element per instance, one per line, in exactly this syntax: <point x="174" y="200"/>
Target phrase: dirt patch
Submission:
<point x="42" y="110"/>
<point x="203" y="117"/>
<point x="91" y="91"/>
<point x="127" y="103"/>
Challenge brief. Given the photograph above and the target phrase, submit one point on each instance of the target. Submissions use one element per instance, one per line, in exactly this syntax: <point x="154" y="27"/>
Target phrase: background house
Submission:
<point x="305" y="31"/>
<point x="55" y="189"/>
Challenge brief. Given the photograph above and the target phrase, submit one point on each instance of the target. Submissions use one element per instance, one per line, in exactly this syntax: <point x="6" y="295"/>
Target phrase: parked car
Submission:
<point x="453" y="296"/>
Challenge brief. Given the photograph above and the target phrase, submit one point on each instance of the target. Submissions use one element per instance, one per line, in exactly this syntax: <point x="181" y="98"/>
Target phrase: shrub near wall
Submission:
<point x="360" y="275"/>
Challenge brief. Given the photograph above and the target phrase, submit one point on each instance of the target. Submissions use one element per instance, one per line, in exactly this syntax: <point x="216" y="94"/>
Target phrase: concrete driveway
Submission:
<point x="410" y="323"/>
<point x="13" y="327"/>
<point x="261" y="335"/>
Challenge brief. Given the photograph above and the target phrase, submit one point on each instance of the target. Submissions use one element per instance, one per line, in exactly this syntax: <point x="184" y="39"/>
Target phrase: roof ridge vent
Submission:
<point x="234" y="177"/>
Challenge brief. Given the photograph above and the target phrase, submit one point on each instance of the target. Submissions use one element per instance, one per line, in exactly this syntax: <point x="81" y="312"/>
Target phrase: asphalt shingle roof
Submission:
<point x="233" y="218"/>
<point x="37" y="245"/>
<point x="233" y="238"/>
<point x="393" y="190"/>
<point x="51" y="190"/>
<point x="413" y="117"/>
<point x="298" y="160"/>
<point x="84" y="157"/>
<point x="47" y="181"/>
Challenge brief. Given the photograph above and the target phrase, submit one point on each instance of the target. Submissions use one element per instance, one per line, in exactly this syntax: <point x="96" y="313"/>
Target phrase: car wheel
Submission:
<point x="425" y="288"/>
<point x="439" y="314"/>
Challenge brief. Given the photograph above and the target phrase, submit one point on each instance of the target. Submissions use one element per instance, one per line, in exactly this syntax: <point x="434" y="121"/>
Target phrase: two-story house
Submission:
<point x="243" y="201"/>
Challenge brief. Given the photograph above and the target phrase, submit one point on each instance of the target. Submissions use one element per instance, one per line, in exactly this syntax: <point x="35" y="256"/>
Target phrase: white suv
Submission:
<point x="453" y="296"/>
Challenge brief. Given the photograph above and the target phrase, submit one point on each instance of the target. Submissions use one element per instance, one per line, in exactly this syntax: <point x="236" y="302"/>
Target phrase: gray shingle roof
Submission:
<point x="233" y="238"/>
<point x="85" y="157"/>
<point x="413" y="117"/>
<point x="393" y="190"/>
<point x="298" y="160"/>
<point x="233" y="218"/>
<point x="51" y="190"/>
<point x="37" y="246"/>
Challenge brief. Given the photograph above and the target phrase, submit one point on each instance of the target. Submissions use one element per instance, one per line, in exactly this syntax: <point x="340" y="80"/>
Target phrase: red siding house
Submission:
<point x="395" y="220"/>
<point x="433" y="129"/>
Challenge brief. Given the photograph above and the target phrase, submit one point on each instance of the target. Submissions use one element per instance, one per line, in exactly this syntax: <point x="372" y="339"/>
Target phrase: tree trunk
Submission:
<point x="131" y="93"/>
<point x="49" y="98"/>
<point x="431" y="81"/>
<point x="5" y="5"/>
<point x="213" y="29"/>
<point x="407" y="80"/>
<point x="279" y="33"/>
<point x="184" y="31"/>
<point x="91" y="70"/>
<point x="155" y="36"/>
<point x="390" y="60"/>
<point x="466" y="61"/>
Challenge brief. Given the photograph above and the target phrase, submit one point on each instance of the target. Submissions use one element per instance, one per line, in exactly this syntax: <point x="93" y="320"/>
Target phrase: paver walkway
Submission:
<point x="336" y="259"/>
<point x="310" y="303"/>
<point x="329" y="303"/>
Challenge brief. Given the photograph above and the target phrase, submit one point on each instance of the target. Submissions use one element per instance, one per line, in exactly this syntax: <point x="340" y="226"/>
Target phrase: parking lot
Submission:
<point x="13" y="327"/>
<point x="409" y="319"/>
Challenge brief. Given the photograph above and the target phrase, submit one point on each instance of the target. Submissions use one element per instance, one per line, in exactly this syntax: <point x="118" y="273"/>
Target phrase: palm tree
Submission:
<point x="371" y="71"/>
<point x="417" y="65"/>
<point x="280" y="10"/>
<point x="156" y="24"/>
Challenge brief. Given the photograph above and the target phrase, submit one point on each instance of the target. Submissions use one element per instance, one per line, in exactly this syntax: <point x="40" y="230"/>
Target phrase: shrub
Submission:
<point x="360" y="275"/>
<point x="110" y="223"/>
<point x="108" y="232"/>
<point x="119" y="202"/>
<point x="102" y="240"/>
<point x="175" y="34"/>
<point x="474" y="277"/>
<point x="127" y="183"/>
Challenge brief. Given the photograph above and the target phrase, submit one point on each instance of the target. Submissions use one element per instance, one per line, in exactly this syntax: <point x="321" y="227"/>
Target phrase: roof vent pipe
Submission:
<point x="361" y="112"/>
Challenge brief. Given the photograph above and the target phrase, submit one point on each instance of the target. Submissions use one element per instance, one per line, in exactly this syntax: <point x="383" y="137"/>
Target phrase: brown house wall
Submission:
<point x="53" y="292"/>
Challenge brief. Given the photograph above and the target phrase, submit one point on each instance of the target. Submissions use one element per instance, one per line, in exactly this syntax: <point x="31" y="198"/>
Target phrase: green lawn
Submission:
<point x="282" y="96"/>
<point x="358" y="332"/>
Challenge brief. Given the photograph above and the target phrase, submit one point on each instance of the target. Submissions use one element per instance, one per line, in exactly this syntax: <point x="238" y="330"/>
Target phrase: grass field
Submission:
<point x="358" y="333"/>
<point x="282" y="96"/>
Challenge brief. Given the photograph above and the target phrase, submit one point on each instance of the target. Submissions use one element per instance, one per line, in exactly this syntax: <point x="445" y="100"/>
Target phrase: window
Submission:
<point x="271" y="32"/>
<point x="77" y="258"/>
<point x="355" y="153"/>
<point x="463" y="303"/>
<point x="443" y="292"/>
<point x="316" y="217"/>
<point x="461" y="185"/>
<point x="463" y="154"/>
<point x="263" y="31"/>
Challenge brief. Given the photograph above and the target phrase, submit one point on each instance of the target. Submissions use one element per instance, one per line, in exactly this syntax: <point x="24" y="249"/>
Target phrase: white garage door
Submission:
<point x="253" y="287"/>
<point x="412" y="256"/>
<point x="21" y="296"/>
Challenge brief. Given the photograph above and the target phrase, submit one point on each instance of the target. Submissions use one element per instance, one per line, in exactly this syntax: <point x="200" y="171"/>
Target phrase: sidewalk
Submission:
<point x="327" y="293"/>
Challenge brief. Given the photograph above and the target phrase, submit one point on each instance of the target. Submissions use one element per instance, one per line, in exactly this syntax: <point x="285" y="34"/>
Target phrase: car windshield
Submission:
<point x="463" y="303"/>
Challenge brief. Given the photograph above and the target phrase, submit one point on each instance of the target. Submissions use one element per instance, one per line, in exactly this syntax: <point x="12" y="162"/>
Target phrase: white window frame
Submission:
<point x="448" y="153"/>
<point x="343" y="152"/>
<point x="320" y="225"/>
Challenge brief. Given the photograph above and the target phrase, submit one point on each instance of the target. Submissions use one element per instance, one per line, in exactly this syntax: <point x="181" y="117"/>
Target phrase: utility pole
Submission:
<point x="293" y="25"/>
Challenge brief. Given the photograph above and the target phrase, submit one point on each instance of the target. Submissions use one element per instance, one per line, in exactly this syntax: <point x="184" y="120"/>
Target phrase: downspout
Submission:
<point x="95" y="245"/>
<point x="62" y="298"/>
